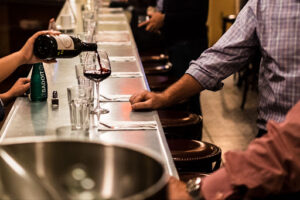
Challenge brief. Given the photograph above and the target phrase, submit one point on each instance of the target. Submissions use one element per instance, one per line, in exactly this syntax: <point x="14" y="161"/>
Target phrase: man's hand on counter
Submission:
<point x="147" y="100"/>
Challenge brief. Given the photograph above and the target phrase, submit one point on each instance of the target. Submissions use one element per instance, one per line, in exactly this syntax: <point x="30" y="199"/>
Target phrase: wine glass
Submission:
<point x="97" y="72"/>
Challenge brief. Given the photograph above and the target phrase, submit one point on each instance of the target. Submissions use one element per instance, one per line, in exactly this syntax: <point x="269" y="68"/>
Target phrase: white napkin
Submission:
<point x="125" y="74"/>
<point x="122" y="59"/>
<point x="111" y="15"/>
<point x="127" y="125"/>
<point x="115" y="98"/>
<point x="112" y="37"/>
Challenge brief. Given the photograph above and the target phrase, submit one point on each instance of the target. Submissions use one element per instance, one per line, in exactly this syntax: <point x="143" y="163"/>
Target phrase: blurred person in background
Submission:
<point x="10" y="63"/>
<point x="183" y="26"/>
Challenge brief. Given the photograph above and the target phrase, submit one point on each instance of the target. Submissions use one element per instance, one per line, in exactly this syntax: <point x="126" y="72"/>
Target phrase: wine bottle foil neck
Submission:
<point x="89" y="46"/>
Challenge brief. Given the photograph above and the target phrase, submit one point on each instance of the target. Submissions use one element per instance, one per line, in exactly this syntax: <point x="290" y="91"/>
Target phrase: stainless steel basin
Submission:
<point x="78" y="170"/>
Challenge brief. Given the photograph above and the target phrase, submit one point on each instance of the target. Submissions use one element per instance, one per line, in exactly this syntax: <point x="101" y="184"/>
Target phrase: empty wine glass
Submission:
<point x="97" y="72"/>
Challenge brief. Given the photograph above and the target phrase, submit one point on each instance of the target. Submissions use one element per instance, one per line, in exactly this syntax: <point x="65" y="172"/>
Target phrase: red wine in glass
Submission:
<point x="98" y="74"/>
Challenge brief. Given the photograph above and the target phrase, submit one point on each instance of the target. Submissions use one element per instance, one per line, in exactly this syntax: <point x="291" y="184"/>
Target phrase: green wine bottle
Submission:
<point x="38" y="84"/>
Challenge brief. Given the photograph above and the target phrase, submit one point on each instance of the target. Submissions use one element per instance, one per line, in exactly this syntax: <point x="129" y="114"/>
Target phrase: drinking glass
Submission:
<point x="89" y="25"/>
<point x="79" y="98"/>
<point x="88" y="19"/>
<point x="82" y="80"/>
<point x="98" y="72"/>
<point x="85" y="36"/>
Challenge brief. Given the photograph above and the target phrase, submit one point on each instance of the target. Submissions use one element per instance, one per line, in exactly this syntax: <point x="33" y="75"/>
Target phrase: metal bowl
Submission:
<point x="79" y="170"/>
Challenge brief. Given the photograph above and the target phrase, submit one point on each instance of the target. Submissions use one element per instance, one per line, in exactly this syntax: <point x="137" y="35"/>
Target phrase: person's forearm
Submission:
<point x="185" y="87"/>
<point x="6" y="97"/>
<point x="9" y="64"/>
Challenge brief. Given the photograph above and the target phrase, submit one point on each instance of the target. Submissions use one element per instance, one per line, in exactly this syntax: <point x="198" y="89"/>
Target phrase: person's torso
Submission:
<point x="278" y="31"/>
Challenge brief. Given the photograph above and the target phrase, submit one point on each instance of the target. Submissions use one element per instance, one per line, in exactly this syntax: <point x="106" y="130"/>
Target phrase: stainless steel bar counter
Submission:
<point x="30" y="119"/>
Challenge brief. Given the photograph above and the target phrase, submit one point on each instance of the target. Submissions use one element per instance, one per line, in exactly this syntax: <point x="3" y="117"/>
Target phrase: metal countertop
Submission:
<point x="27" y="119"/>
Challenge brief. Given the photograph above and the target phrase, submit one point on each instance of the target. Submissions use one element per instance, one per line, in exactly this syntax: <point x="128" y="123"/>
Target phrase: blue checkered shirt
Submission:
<point x="272" y="26"/>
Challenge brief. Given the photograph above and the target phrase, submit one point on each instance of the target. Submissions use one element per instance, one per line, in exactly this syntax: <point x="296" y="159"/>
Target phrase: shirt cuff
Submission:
<point x="206" y="81"/>
<point x="217" y="185"/>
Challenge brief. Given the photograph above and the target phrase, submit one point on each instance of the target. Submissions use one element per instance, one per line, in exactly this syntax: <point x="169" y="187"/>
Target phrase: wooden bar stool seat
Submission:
<point x="160" y="82"/>
<point x="157" y="68"/>
<point x="181" y="124"/>
<point x="194" y="155"/>
<point x="156" y="64"/>
<point x="161" y="58"/>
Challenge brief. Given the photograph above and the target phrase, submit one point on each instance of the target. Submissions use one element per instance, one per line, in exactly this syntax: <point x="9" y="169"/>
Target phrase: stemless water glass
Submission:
<point x="82" y="80"/>
<point x="79" y="106"/>
<point x="98" y="72"/>
<point x="88" y="19"/>
<point x="89" y="25"/>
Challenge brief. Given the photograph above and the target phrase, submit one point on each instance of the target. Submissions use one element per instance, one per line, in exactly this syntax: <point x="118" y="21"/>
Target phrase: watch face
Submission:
<point x="193" y="186"/>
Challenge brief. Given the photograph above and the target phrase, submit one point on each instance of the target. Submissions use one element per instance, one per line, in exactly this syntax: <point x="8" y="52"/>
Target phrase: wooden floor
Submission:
<point x="224" y="122"/>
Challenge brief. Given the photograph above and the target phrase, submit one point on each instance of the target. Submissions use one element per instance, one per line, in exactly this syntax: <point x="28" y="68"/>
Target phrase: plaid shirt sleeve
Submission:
<point x="230" y="53"/>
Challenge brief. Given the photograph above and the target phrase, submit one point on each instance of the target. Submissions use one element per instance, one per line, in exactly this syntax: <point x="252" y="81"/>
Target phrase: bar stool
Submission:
<point x="180" y="124"/>
<point x="156" y="64"/>
<point x="150" y="58"/>
<point x="177" y="122"/>
<point x="229" y="19"/>
<point x="160" y="82"/>
<point x="157" y="69"/>
<point x="194" y="155"/>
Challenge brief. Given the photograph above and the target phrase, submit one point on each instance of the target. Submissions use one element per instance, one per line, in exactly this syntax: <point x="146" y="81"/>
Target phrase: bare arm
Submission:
<point x="9" y="64"/>
<point x="185" y="87"/>
<point x="18" y="89"/>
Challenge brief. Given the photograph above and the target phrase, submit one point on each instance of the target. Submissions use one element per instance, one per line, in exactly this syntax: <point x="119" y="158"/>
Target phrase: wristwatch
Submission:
<point x="193" y="187"/>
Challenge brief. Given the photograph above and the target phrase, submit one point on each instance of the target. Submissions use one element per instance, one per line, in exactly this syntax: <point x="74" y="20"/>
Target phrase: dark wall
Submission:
<point x="243" y="2"/>
<point x="21" y="18"/>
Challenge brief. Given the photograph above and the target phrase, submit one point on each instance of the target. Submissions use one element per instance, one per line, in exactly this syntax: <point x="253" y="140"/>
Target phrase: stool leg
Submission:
<point x="224" y="26"/>
<point x="244" y="95"/>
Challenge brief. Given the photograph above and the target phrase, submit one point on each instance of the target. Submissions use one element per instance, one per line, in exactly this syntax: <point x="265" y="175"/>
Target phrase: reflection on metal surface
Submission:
<point x="13" y="171"/>
<point x="75" y="169"/>
<point x="24" y="121"/>
<point x="109" y="174"/>
<point x="39" y="116"/>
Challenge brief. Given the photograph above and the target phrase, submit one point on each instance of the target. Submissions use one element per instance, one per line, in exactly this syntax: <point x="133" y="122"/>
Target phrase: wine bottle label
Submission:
<point x="43" y="82"/>
<point x="38" y="85"/>
<point x="64" y="42"/>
